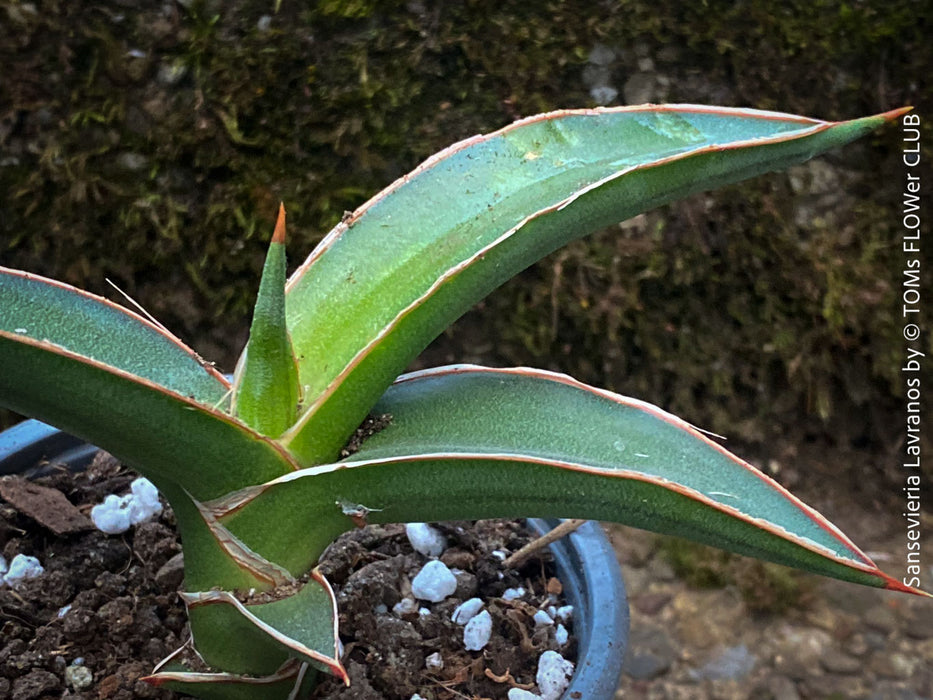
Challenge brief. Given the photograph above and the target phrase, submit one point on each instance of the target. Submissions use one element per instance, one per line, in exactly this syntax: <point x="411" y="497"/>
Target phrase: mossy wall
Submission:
<point x="149" y="143"/>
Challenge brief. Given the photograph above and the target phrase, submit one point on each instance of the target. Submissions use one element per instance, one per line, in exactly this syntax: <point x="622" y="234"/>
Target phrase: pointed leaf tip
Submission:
<point x="893" y="114"/>
<point x="278" y="235"/>
<point x="893" y="584"/>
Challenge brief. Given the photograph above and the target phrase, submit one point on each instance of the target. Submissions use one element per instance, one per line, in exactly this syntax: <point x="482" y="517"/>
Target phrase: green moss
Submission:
<point x="702" y="567"/>
<point x="765" y="588"/>
<point x="154" y="148"/>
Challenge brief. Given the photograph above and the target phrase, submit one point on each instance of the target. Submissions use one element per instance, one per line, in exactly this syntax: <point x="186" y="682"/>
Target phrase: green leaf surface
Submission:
<point x="35" y="307"/>
<point x="470" y="442"/>
<point x="257" y="638"/>
<point x="212" y="558"/>
<point x="420" y="253"/>
<point x="266" y="387"/>
<point x="167" y="436"/>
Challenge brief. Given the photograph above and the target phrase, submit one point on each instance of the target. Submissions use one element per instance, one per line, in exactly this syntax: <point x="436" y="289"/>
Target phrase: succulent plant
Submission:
<point x="264" y="471"/>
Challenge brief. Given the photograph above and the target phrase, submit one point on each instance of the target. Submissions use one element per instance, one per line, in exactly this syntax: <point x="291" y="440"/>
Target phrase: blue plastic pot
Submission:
<point x="588" y="569"/>
<point x="32" y="448"/>
<point x="585" y="562"/>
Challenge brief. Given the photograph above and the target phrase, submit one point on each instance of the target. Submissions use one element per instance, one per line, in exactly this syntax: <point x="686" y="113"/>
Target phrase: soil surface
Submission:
<point x="104" y="612"/>
<point x="106" y="609"/>
<point x="386" y="653"/>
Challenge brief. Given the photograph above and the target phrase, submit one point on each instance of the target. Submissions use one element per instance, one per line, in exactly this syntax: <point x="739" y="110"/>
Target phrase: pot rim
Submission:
<point x="592" y="579"/>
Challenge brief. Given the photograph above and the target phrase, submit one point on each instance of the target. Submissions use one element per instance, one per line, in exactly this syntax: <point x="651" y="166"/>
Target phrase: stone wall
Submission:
<point x="150" y="144"/>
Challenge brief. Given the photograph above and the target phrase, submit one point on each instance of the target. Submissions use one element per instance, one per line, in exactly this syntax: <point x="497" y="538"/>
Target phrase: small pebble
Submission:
<point x="406" y="606"/>
<point x="467" y="610"/>
<point x="603" y="94"/>
<point x="561" y="635"/>
<point x="522" y="694"/>
<point x="425" y="539"/>
<point x="21" y="568"/>
<point x="501" y="555"/>
<point x="79" y="677"/>
<point x="434" y="582"/>
<point x="424" y="612"/>
<point x="513" y="593"/>
<point x="434" y="661"/>
<point x="477" y="631"/>
<point x="553" y="676"/>
<point x="381" y="609"/>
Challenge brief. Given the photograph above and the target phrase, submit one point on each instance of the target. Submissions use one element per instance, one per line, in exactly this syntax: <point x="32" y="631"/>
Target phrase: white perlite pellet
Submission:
<point x="21" y="568"/>
<point x="467" y="610"/>
<point x="117" y="513"/>
<point x="477" y="631"/>
<point x="513" y="593"/>
<point x="434" y="582"/>
<point x="561" y="635"/>
<point x="553" y="676"/>
<point x="112" y="516"/>
<point x="522" y="694"/>
<point x="542" y="618"/>
<point x="425" y="539"/>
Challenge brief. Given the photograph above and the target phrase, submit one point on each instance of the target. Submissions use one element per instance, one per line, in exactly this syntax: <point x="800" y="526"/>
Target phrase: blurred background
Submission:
<point x="150" y="143"/>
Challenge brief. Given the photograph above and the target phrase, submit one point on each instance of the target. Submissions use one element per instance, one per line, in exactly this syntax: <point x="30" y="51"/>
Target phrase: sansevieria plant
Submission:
<point x="255" y="469"/>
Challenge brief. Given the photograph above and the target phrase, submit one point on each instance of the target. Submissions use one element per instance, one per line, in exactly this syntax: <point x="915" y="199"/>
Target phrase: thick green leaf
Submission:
<point x="42" y="309"/>
<point x="257" y="638"/>
<point x="213" y="557"/>
<point x="167" y="436"/>
<point x="266" y="387"/>
<point x="420" y="253"/>
<point x="469" y="442"/>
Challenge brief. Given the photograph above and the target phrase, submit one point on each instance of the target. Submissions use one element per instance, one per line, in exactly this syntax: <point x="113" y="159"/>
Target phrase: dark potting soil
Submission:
<point x="106" y="609"/>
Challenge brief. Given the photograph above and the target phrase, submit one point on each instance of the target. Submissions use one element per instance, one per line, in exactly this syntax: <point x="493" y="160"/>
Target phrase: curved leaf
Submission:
<point x="293" y="680"/>
<point x="257" y="638"/>
<point x="165" y="435"/>
<point x="474" y="442"/>
<point x="213" y="558"/>
<point x="42" y="309"/>
<point x="420" y="253"/>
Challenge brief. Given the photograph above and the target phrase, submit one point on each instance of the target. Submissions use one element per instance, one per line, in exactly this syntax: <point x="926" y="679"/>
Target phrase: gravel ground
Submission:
<point x="834" y="641"/>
